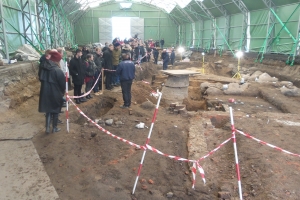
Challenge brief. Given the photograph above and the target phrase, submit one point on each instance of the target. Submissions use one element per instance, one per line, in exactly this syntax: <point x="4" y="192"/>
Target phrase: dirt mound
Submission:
<point x="141" y="91"/>
<point x="146" y="70"/>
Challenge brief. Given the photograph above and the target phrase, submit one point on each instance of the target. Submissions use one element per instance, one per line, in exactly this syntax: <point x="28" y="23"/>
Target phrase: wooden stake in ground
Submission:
<point x="102" y="71"/>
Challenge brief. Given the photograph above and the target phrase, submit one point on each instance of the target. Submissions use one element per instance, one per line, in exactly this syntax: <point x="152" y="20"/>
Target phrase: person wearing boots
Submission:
<point x="77" y="71"/>
<point x="52" y="89"/>
<point x="126" y="70"/>
<point x="89" y="74"/>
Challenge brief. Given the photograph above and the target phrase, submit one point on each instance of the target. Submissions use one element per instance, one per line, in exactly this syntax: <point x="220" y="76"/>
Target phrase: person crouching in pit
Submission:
<point x="126" y="71"/>
<point x="89" y="74"/>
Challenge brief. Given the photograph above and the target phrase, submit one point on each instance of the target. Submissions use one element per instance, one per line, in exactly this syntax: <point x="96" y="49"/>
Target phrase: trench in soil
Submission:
<point x="88" y="164"/>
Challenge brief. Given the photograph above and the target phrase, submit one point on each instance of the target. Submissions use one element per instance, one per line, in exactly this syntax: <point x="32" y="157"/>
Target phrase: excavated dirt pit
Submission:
<point x="86" y="163"/>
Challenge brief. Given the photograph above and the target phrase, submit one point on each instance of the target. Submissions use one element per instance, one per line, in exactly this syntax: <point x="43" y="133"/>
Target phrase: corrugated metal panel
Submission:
<point x="105" y="30"/>
<point x="137" y="27"/>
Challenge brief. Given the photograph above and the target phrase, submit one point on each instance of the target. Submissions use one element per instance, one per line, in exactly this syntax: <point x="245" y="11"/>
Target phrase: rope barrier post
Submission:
<point x="67" y="98"/>
<point x="236" y="155"/>
<point x="147" y="141"/>
<point x="102" y="71"/>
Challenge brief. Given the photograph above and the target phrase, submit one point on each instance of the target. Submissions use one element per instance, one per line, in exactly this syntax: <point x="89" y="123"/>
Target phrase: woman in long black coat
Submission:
<point x="53" y="85"/>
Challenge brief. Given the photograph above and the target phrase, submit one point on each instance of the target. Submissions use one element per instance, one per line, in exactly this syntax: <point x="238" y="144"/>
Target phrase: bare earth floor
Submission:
<point x="87" y="164"/>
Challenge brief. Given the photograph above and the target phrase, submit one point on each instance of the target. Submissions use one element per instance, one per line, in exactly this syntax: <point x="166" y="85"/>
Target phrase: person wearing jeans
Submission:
<point x="116" y="60"/>
<point x="126" y="71"/>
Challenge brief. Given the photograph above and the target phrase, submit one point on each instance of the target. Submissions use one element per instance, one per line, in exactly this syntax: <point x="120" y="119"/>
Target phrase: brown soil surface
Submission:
<point x="88" y="164"/>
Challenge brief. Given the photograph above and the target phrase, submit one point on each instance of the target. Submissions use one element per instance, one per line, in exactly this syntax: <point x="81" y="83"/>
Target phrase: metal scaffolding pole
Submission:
<point x="184" y="13"/>
<point x="41" y="15"/>
<point x="271" y="24"/>
<point x="27" y="26"/>
<point x="212" y="18"/>
<point x="3" y="39"/>
<point x="242" y="7"/>
<point x="222" y="9"/>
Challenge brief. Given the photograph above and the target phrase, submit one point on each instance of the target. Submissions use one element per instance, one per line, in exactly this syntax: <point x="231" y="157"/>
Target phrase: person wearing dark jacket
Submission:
<point x="155" y="55"/>
<point x="43" y="59"/>
<point x="77" y="71"/>
<point x="107" y="64"/>
<point x="126" y="70"/>
<point x="53" y="85"/>
<point x="98" y="64"/>
<point x="172" y="57"/>
<point x="165" y="58"/>
<point x="85" y="52"/>
<point x="89" y="74"/>
<point x="162" y="43"/>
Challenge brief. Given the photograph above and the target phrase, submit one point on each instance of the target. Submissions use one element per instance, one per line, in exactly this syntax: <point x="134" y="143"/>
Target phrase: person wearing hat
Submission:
<point x="77" y="71"/>
<point x="116" y="61"/>
<point x="52" y="90"/>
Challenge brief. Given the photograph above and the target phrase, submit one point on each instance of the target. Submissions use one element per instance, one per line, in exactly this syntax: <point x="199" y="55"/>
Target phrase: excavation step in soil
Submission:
<point x="176" y="135"/>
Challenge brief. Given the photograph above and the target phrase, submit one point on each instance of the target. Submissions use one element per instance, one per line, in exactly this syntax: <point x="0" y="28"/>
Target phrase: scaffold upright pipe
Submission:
<point x="67" y="98"/>
<point x="236" y="154"/>
<point x="147" y="141"/>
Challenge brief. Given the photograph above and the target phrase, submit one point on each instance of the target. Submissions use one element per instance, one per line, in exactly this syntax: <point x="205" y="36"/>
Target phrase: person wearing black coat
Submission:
<point x="155" y="55"/>
<point x="165" y="57"/>
<point x="89" y="74"/>
<point x="85" y="52"/>
<point x="172" y="57"/>
<point x="53" y="85"/>
<point x="162" y="43"/>
<point x="107" y="64"/>
<point x="77" y="71"/>
<point x="137" y="52"/>
<point x="98" y="62"/>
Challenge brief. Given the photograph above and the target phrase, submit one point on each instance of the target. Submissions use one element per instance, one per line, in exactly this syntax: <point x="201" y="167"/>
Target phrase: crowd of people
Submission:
<point x="116" y="60"/>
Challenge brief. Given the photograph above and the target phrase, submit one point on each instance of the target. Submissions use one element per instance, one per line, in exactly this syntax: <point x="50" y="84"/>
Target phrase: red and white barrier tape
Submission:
<point x="145" y="82"/>
<point x="237" y="167"/>
<point x="267" y="144"/>
<point x="216" y="149"/>
<point x="194" y="168"/>
<point x="109" y="70"/>
<point x="106" y="131"/>
<point x="67" y="100"/>
<point x="147" y="141"/>
<point x="77" y="97"/>
<point x="153" y="93"/>
<point x="167" y="155"/>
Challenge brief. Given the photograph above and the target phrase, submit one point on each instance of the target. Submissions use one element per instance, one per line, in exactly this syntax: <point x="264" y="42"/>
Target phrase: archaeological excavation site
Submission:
<point x="149" y="100"/>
